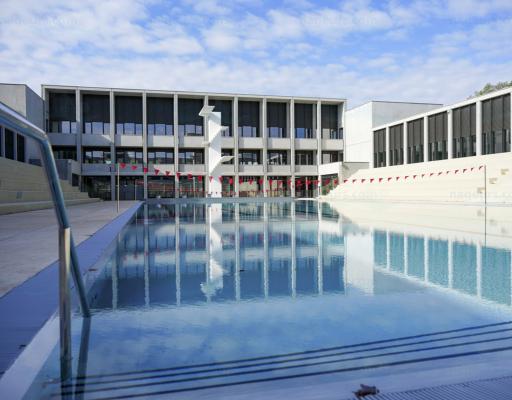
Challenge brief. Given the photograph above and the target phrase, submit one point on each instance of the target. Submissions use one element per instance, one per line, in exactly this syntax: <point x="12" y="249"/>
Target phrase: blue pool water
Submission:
<point x="198" y="300"/>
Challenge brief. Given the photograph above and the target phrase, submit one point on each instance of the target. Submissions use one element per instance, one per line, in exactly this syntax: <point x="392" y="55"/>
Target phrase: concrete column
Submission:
<point x="320" y="270"/>
<point x="387" y="146"/>
<point x="176" y="143"/>
<point x="237" y="251"/>
<point x="112" y="145"/>
<point x="406" y="144"/>
<point x="265" y="250"/>
<point x="450" y="134"/>
<point x="293" y="277"/>
<point x="291" y="124"/>
<point x="206" y="181"/>
<point x="478" y="128"/>
<point x="236" y="185"/>
<point x="425" y="139"/>
<point x="319" y="144"/>
<point x="145" y="141"/>
<point x="79" y="132"/>
<point x="177" y="259"/>
<point x="263" y="123"/>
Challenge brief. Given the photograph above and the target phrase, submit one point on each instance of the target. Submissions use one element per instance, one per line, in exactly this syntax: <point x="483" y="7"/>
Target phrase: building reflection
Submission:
<point x="178" y="254"/>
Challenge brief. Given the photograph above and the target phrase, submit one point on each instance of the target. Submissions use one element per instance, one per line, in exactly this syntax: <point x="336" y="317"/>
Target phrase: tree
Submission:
<point x="489" y="88"/>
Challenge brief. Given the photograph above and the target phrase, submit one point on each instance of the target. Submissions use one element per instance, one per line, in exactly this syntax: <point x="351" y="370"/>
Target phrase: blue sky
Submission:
<point x="433" y="51"/>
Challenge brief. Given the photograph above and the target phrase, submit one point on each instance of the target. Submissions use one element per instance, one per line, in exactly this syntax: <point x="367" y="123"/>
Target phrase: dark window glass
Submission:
<point x="249" y="157"/>
<point x="227" y="152"/>
<point x="9" y="144"/>
<point x="192" y="156"/>
<point x="330" y="128"/>
<point x="276" y="120"/>
<point x="331" y="156"/>
<point x="160" y="157"/>
<point x="464" y="131"/>
<point x="20" y="148"/>
<point x="248" y="119"/>
<point x="304" y="121"/>
<point x="379" y="148"/>
<point x="304" y="158"/>
<point x="160" y="116"/>
<point x="97" y="156"/>
<point x="277" y="157"/>
<point x="396" y="145"/>
<point x="496" y="125"/>
<point x="96" y="114"/>
<point x="128" y="115"/>
<point x="62" y="113"/>
<point x="438" y="137"/>
<point x="129" y="155"/>
<point x="415" y="140"/>
<point x="64" y="153"/>
<point x="97" y="186"/>
<point x="190" y="123"/>
<point x="225" y="107"/>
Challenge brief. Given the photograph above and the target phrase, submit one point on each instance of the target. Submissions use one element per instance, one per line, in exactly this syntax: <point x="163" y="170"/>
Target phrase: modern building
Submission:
<point x="157" y="139"/>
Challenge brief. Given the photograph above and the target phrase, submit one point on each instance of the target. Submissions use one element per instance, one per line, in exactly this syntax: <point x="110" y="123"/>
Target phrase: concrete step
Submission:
<point x="11" y="208"/>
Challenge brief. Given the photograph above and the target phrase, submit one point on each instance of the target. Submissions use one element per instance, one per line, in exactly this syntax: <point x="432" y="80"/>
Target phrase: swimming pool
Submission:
<point x="272" y="298"/>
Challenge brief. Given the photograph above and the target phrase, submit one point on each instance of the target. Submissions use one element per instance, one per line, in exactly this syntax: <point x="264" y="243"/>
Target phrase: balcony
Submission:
<point x="192" y="141"/>
<point x="191" y="168"/>
<point x="96" y="140"/>
<point x="306" y="169"/>
<point x="250" y="142"/>
<point x="165" y="169"/>
<point x="306" y="144"/>
<point x="97" y="169"/>
<point x="228" y="143"/>
<point x="128" y="141"/>
<point x="251" y="169"/>
<point x="164" y="141"/>
<point x="226" y="169"/>
<point x="62" y="139"/>
<point x="279" y="143"/>
<point x="279" y="169"/>
<point x="332" y="144"/>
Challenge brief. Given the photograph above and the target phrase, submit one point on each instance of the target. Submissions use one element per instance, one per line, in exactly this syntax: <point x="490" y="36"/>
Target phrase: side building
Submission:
<point x="157" y="141"/>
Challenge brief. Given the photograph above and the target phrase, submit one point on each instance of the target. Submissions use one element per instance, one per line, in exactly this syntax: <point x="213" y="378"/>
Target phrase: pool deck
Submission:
<point x="29" y="270"/>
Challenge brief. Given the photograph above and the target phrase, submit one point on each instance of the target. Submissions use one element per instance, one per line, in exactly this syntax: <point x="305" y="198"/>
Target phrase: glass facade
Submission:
<point x="9" y="144"/>
<point x="128" y="115"/>
<point x="277" y="157"/>
<point x="97" y="186"/>
<point x="191" y="156"/>
<point x="96" y="114"/>
<point x="305" y="158"/>
<point x="438" y="137"/>
<point x="20" y="148"/>
<point x="249" y="157"/>
<point x="249" y="119"/>
<point x="415" y="139"/>
<point x="330" y="125"/>
<point x="225" y="107"/>
<point x="276" y="120"/>
<point x="464" y="131"/>
<point x="304" y="121"/>
<point x="227" y="152"/>
<point x="160" y="186"/>
<point x="379" y="148"/>
<point x="129" y="155"/>
<point x="331" y="156"/>
<point x="189" y="121"/>
<point x="160" y="156"/>
<point x="160" y="116"/>
<point x="396" y="145"/>
<point x="97" y="156"/>
<point x="496" y="125"/>
<point x="64" y="152"/>
<point x="62" y="113"/>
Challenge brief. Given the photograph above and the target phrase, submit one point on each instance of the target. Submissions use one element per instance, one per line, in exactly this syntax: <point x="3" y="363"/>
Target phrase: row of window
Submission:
<point x="160" y="117"/>
<point x="496" y="134"/>
<point x="12" y="145"/>
<point x="191" y="156"/>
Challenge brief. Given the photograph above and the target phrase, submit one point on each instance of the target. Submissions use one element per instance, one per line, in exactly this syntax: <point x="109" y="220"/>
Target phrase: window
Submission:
<point x="278" y="157"/>
<point x="225" y="107"/>
<point x="304" y="158"/>
<point x="331" y="156"/>
<point x="276" y="120"/>
<point x="62" y="113"/>
<point x="396" y="145"/>
<point x="304" y="121"/>
<point x="464" y="131"/>
<point x="330" y="128"/>
<point x="96" y="114"/>
<point x="496" y="125"/>
<point x="160" y="116"/>
<point x="97" y="186"/>
<point x="160" y="157"/>
<point x="249" y="157"/>
<point x="248" y="119"/>
<point x="415" y="141"/>
<point x="129" y="156"/>
<point x="20" y="148"/>
<point x="128" y="115"/>
<point x="64" y="153"/>
<point x="227" y="152"/>
<point x="190" y="123"/>
<point x="191" y="156"/>
<point x="9" y="144"/>
<point x="379" y="148"/>
<point x="438" y="137"/>
<point x="97" y="156"/>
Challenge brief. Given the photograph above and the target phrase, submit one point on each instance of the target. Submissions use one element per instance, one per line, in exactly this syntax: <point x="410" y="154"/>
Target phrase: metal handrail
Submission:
<point x="16" y="122"/>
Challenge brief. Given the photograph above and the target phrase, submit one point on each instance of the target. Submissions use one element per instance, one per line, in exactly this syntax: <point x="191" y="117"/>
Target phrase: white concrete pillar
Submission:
<point x="478" y="128"/>
<point x="113" y="157"/>
<point x="425" y="139"/>
<point x="176" y="143"/>
<point x="319" y="144"/>
<point x="264" y="134"/>
<point x="206" y="181"/>
<point x="387" y="146"/>
<point x="450" y="134"/>
<point x="145" y="141"/>
<point x="293" y="277"/>
<point x="291" y="124"/>
<point x="79" y="132"/>
<point x="265" y="250"/>
<point x="237" y="252"/>
<point x="177" y="253"/>
<point x="406" y="143"/>
<point x="236" y="184"/>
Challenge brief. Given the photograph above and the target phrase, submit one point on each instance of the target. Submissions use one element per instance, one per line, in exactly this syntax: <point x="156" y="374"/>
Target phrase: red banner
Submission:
<point x="123" y="165"/>
<point x="134" y="167"/>
<point x="157" y="171"/>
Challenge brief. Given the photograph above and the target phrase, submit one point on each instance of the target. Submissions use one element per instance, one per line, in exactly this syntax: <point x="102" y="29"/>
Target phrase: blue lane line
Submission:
<point x="269" y="357"/>
<point x="273" y="369"/>
<point x="27" y="307"/>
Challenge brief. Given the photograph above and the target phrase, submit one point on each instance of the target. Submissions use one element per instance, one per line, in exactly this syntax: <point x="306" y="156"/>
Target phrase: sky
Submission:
<point x="437" y="51"/>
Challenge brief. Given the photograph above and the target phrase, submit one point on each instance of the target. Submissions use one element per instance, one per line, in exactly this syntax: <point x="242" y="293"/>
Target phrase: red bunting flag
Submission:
<point x="345" y="180"/>
<point x="335" y="181"/>
<point x="178" y="174"/>
<point x="472" y="168"/>
<point x="280" y="183"/>
<point x="439" y="173"/>
<point x="145" y="170"/>
<point x="270" y="182"/>
<point x="327" y="181"/>
<point x="480" y="167"/>
<point x="422" y="175"/>
<point x="123" y="165"/>
<point x="371" y="180"/>
<point x="157" y="171"/>
<point x="389" y="178"/>
<point x="230" y="181"/>
<point x="251" y="181"/>
<point x="397" y="178"/>
<point x="210" y="178"/>
<point x="406" y="176"/>
<point x="240" y="180"/>
<point x="134" y="167"/>
<point x="167" y="173"/>
<point x="362" y="180"/>
<point x="354" y="180"/>
<point x="189" y="176"/>
<point x="414" y="176"/>
<point x="447" y="172"/>
<point x="200" y="178"/>
<point x="464" y="170"/>
<point x="380" y="179"/>
<point x="456" y="171"/>
<point x="431" y="173"/>
<point x="220" y="179"/>
<point x="260" y="181"/>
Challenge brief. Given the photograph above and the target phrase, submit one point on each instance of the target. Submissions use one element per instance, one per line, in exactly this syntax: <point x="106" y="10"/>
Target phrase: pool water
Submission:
<point x="199" y="299"/>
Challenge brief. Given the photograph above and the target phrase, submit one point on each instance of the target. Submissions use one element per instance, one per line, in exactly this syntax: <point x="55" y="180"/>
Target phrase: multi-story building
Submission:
<point x="156" y="141"/>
